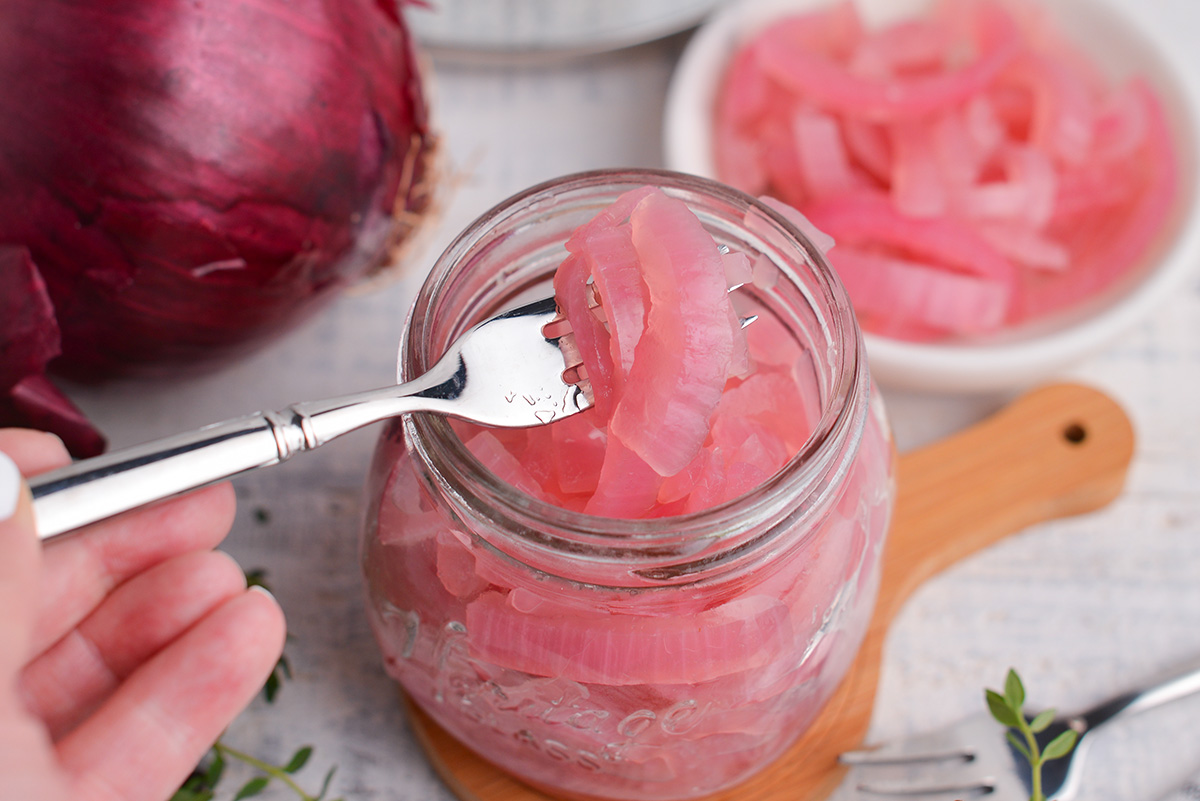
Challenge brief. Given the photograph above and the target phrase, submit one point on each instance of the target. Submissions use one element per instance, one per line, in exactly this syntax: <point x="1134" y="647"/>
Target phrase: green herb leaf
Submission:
<point x="298" y="759"/>
<point x="271" y="688"/>
<point x="270" y="772"/>
<point x="186" y="794"/>
<point x="1016" y="743"/>
<point x="283" y="669"/>
<point x="1060" y="746"/>
<point x="1014" y="690"/>
<point x="1021" y="734"/>
<point x="1043" y="719"/>
<point x="215" y="769"/>
<point x="325" y="784"/>
<point x="1001" y="711"/>
<point x="252" y="788"/>
<point x="202" y="783"/>
<point x="193" y="784"/>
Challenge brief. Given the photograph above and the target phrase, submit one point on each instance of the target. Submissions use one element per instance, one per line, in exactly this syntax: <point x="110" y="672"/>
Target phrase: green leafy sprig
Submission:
<point x="202" y="784"/>
<point x="1022" y="734"/>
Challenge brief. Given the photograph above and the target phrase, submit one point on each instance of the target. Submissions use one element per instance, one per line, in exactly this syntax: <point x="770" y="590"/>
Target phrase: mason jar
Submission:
<point x="647" y="659"/>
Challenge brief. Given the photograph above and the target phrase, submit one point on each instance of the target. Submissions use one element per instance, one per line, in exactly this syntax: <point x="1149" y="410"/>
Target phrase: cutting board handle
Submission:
<point x="1056" y="451"/>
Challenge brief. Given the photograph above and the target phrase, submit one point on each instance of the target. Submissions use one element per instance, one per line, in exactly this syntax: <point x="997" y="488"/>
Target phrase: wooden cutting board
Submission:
<point x="1060" y="450"/>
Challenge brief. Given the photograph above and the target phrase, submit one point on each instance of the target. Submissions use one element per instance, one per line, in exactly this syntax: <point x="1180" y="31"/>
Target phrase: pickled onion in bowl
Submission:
<point x="1014" y="182"/>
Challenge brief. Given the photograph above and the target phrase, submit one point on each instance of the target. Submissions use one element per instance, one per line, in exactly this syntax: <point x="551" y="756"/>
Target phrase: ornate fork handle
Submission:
<point x="96" y="489"/>
<point x="506" y="371"/>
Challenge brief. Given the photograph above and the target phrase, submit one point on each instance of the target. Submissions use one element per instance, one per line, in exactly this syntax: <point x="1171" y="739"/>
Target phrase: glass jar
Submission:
<point x="629" y="659"/>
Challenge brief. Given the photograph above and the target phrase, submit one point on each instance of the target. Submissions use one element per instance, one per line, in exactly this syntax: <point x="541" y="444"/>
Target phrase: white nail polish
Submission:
<point x="10" y="487"/>
<point x="264" y="591"/>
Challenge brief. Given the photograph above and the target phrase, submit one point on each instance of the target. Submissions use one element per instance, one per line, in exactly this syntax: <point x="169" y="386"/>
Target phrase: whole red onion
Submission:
<point x="191" y="176"/>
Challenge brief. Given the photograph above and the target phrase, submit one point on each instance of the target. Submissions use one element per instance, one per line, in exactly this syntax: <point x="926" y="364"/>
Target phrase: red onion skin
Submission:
<point x="28" y="343"/>
<point x="30" y="334"/>
<point x="35" y="402"/>
<point x="191" y="178"/>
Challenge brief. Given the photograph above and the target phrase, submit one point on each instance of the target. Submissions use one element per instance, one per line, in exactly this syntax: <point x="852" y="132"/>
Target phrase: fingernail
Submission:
<point x="10" y="487"/>
<point x="264" y="591"/>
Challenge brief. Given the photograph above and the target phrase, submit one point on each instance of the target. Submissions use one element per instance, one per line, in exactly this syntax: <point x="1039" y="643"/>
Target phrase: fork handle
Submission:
<point x="1177" y="685"/>
<point x="96" y="489"/>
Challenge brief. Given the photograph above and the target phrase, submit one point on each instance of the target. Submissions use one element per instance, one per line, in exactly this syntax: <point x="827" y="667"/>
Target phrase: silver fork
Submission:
<point x="972" y="757"/>
<point x="513" y="370"/>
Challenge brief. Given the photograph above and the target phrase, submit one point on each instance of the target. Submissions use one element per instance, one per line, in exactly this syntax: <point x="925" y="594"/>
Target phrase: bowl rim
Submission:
<point x="972" y="366"/>
<point x="439" y="29"/>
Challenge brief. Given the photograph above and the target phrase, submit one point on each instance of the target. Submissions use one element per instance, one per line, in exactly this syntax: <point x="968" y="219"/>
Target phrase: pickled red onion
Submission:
<point x="871" y="219"/>
<point x="835" y="86"/>
<point x="683" y="356"/>
<point x="975" y="141"/>
<point x="687" y="413"/>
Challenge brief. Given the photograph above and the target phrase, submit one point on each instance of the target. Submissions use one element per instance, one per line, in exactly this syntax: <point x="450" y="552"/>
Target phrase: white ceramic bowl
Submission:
<point x="1123" y="45"/>
<point x="532" y="28"/>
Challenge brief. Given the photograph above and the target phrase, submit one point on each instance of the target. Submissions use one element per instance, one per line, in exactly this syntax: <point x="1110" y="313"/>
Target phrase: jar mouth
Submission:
<point x="457" y="293"/>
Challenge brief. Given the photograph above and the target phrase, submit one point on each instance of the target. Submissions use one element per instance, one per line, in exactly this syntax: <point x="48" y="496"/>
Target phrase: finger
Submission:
<point x="33" y="451"/>
<point x="27" y="762"/>
<point x="80" y="570"/>
<point x="141" y="617"/>
<point x="19" y="568"/>
<point x="25" y="755"/>
<point x="23" y="451"/>
<point x="144" y="740"/>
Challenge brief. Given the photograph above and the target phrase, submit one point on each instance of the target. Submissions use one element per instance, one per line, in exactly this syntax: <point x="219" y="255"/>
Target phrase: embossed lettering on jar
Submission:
<point x="650" y="659"/>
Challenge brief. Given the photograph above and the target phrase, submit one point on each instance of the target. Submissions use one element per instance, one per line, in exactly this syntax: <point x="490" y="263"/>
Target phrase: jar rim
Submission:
<point x="842" y="419"/>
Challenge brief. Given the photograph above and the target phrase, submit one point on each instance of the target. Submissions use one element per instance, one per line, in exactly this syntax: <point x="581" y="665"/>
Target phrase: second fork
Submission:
<point x="973" y="757"/>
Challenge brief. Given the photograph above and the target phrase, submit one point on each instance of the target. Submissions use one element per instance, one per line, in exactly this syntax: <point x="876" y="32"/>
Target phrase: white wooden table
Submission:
<point x="1081" y="607"/>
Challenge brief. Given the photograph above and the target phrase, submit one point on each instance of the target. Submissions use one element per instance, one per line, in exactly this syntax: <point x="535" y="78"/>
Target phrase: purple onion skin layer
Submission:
<point x="28" y="342"/>
<point x="30" y="338"/>
<point x="191" y="177"/>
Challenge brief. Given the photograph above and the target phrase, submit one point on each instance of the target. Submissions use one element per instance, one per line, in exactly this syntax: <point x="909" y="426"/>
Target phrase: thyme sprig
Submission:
<point x="1006" y="708"/>
<point x="202" y="784"/>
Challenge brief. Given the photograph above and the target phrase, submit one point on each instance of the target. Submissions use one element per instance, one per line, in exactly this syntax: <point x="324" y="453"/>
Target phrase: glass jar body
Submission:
<point x="628" y="659"/>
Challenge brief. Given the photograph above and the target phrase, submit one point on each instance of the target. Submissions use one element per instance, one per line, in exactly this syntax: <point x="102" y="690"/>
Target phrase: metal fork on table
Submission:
<point x="516" y="369"/>
<point x="973" y="758"/>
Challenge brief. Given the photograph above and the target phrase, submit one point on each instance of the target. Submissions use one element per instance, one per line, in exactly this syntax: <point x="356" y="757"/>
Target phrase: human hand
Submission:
<point x="125" y="649"/>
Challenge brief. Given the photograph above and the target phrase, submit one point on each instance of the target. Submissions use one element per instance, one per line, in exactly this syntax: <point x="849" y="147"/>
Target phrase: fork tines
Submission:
<point x="881" y="772"/>
<point x="947" y="789"/>
<point x="559" y="330"/>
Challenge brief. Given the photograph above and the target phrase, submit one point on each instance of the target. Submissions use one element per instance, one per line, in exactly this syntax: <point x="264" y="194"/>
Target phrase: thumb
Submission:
<point x="27" y="760"/>
<point x="20" y="564"/>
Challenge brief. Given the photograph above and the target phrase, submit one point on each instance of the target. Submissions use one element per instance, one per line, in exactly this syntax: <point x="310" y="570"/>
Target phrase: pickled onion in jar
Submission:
<point x="642" y="601"/>
<point x="646" y="290"/>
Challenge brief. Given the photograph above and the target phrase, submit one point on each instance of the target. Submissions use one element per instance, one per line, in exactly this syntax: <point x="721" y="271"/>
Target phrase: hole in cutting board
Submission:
<point x="1075" y="433"/>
